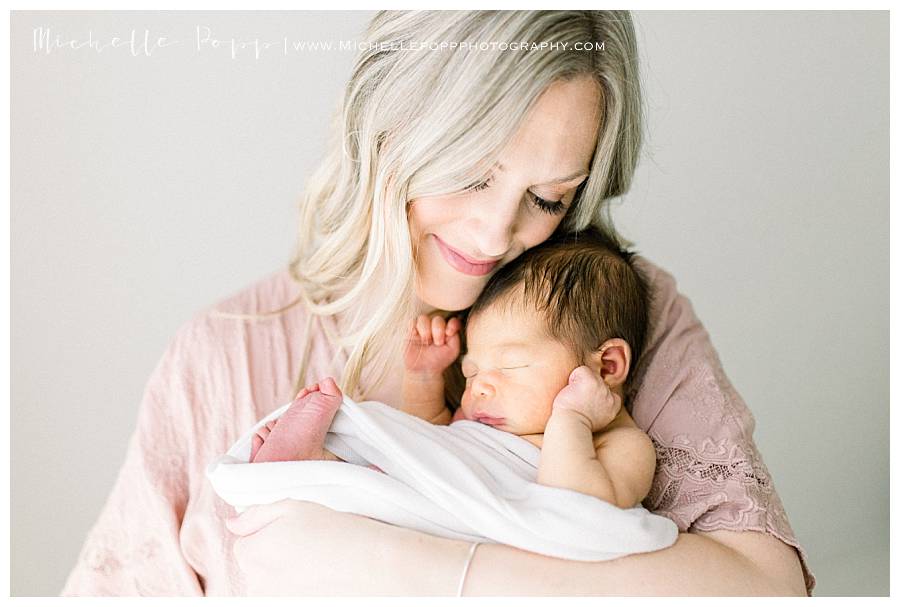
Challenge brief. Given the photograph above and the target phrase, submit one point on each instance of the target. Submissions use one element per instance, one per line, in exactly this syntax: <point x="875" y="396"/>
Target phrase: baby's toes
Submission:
<point x="260" y="437"/>
<point x="255" y="445"/>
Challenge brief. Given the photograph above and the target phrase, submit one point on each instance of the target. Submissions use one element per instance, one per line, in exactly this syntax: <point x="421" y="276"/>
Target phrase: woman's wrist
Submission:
<point x="405" y="552"/>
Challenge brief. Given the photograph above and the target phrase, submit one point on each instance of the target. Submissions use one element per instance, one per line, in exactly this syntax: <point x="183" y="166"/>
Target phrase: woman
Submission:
<point x="444" y="165"/>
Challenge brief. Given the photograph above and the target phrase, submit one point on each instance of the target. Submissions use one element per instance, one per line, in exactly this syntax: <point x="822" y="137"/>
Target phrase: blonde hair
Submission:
<point x="427" y="122"/>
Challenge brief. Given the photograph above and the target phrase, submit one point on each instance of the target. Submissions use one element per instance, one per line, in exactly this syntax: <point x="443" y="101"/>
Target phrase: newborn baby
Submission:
<point x="550" y="343"/>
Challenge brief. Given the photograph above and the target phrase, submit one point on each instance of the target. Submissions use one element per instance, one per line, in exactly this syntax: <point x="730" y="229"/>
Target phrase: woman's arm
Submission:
<point x="716" y="563"/>
<point x="750" y="564"/>
<point x="134" y="546"/>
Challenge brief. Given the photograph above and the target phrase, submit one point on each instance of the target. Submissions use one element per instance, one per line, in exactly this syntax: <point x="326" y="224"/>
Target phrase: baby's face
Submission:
<point x="513" y="371"/>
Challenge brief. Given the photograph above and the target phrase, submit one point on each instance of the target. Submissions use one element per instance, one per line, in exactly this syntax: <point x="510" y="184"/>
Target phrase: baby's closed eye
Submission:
<point x="470" y="373"/>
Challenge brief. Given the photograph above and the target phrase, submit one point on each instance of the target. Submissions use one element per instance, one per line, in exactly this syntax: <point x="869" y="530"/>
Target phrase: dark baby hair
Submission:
<point x="585" y="286"/>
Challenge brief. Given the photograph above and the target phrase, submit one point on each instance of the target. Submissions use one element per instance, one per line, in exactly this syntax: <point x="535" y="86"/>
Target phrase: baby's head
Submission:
<point x="573" y="300"/>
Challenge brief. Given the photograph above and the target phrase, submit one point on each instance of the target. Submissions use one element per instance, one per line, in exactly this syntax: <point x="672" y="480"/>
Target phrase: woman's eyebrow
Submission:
<point x="567" y="178"/>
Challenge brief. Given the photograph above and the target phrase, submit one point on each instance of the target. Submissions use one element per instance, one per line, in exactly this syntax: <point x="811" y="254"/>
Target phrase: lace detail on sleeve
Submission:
<point x="710" y="474"/>
<point x="716" y="485"/>
<point x="691" y="480"/>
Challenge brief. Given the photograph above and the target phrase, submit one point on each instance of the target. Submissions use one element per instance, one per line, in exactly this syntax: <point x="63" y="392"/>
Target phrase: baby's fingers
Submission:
<point x="582" y="374"/>
<point x="453" y="326"/>
<point x="438" y="325"/>
<point x="423" y="327"/>
<point x="453" y="343"/>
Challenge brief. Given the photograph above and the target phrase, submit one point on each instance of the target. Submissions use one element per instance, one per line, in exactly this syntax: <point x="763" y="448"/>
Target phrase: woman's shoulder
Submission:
<point x="262" y="296"/>
<point x="675" y="335"/>
<point x="242" y="353"/>
<point x="664" y="289"/>
<point x="680" y="385"/>
<point x="267" y="306"/>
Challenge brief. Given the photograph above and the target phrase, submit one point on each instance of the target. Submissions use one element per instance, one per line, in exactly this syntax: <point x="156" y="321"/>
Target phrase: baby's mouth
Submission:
<point x="490" y="421"/>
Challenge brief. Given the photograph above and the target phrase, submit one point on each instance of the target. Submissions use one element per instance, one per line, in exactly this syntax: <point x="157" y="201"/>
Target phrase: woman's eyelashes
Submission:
<point x="551" y="207"/>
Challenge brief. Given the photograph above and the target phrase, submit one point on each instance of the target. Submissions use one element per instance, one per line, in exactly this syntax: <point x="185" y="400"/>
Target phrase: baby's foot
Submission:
<point x="299" y="434"/>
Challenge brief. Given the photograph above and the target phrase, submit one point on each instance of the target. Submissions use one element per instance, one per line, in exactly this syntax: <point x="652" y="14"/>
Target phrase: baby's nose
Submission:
<point x="483" y="389"/>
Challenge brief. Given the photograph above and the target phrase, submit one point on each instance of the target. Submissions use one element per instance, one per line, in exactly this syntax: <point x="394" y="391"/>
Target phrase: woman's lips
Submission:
<point x="461" y="263"/>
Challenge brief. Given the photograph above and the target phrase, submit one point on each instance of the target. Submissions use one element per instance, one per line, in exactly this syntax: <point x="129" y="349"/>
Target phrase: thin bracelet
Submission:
<point x="462" y="580"/>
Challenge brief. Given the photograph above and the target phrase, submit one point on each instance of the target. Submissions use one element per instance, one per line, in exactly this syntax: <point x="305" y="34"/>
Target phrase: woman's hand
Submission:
<point x="303" y="548"/>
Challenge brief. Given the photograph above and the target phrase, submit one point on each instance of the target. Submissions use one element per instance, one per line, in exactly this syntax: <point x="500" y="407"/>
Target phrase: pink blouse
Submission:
<point x="161" y="530"/>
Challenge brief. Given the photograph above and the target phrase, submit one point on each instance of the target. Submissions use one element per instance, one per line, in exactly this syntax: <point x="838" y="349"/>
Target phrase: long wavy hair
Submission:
<point x="420" y="120"/>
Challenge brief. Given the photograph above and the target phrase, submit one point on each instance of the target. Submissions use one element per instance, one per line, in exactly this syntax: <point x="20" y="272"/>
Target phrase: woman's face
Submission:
<point x="463" y="238"/>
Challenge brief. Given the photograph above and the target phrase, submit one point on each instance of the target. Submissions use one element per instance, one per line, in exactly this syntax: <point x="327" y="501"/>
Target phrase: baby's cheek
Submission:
<point x="464" y="406"/>
<point x="460" y="414"/>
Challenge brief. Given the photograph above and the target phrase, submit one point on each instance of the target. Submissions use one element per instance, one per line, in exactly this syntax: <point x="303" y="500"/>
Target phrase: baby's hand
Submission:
<point x="432" y="345"/>
<point x="588" y="395"/>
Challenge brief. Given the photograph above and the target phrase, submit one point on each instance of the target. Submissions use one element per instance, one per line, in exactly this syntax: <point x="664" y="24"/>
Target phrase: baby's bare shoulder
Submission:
<point x="621" y="429"/>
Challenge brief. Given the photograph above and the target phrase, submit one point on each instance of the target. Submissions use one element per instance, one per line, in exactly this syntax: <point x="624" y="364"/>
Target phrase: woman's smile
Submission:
<point x="461" y="262"/>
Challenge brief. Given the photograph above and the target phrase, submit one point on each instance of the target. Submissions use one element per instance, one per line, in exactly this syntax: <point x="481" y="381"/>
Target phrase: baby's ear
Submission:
<point x="613" y="361"/>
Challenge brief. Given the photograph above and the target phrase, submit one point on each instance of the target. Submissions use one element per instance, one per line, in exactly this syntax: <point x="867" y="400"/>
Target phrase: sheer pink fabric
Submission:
<point x="709" y="473"/>
<point x="161" y="530"/>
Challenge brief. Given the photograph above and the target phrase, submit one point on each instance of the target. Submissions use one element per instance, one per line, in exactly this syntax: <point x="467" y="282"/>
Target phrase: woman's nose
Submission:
<point x="495" y="224"/>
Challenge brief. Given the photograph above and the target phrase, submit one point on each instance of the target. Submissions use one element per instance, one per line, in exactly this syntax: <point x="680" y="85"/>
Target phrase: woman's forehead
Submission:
<point x="560" y="132"/>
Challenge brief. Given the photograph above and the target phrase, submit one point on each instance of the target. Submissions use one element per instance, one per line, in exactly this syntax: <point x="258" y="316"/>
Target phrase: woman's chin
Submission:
<point x="449" y="299"/>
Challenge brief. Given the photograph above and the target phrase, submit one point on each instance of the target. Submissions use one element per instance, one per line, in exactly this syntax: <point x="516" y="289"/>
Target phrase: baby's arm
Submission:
<point x="423" y="396"/>
<point x="617" y="466"/>
<point x="432" y="346"/>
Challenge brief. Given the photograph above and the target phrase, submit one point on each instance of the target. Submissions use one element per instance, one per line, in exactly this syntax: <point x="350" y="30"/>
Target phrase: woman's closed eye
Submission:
<point x="551" y="207"/>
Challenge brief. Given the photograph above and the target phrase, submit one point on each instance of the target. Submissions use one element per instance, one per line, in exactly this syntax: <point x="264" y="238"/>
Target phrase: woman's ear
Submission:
<point x="613" y="361"/>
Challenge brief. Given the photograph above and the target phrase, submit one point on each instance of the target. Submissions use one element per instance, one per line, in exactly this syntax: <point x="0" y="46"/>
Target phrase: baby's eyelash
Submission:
<point x="551" y="207"/>
<point x="471" y="375"/>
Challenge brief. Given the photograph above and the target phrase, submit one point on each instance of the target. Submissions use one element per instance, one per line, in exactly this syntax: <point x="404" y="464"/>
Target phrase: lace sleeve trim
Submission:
<point x="719" y="485"/>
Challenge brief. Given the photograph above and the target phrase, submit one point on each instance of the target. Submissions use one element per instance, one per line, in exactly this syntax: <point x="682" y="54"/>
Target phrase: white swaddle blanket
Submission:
<point x="464" y="481"/>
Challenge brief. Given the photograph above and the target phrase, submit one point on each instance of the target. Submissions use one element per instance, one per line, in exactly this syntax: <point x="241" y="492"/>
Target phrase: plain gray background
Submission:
<point x="145" y="188"/>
